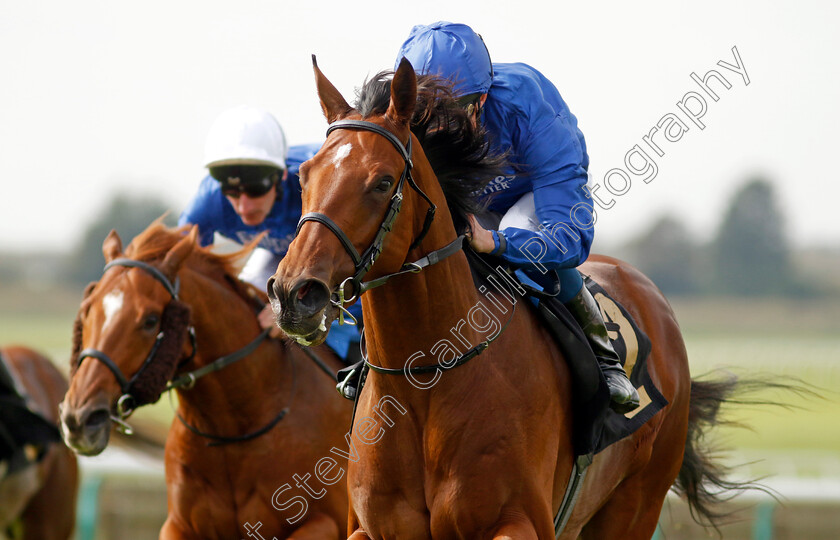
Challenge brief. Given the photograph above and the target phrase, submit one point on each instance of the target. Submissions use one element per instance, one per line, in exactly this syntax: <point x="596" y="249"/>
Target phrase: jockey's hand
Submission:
<point x="266" y="318"/>
<point x="480" y="238"/>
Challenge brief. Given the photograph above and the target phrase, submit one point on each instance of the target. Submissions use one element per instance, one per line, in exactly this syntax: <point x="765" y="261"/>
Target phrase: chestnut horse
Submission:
<point x="478" y="449"/>
<point x="245" y="429"/>
<point x="39" y="501"/>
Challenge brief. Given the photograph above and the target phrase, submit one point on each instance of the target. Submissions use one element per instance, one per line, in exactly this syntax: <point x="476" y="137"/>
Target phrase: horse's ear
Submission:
<point x="403" y="94"/>
<point x="179" y="253"/>
<point x="112" y="246"/>
<point x="332" y="102"/>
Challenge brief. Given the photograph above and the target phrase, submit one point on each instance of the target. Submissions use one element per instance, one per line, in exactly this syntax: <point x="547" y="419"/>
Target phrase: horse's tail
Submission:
<point x="703" y="481"/>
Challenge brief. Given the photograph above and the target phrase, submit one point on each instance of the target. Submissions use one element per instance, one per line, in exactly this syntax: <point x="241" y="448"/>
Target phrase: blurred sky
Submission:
<point x="98" y="97"/>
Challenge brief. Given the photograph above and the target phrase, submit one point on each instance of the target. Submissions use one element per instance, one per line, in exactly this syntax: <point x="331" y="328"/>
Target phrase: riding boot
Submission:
<point x="623" y="396"/>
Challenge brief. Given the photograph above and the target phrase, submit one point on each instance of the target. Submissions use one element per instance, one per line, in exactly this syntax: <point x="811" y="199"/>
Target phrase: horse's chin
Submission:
<point x="312" y="331"/>
<point x="90" y="443"/>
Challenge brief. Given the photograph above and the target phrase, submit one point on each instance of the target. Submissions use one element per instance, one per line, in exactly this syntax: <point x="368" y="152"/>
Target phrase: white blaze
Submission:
<point x="342" y="152"/>
<point x="111" y="304"/>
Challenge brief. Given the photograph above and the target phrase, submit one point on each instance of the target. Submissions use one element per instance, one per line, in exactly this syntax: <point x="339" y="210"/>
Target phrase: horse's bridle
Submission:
<point x="365" y="261"/>
<point x="127" y="402"/>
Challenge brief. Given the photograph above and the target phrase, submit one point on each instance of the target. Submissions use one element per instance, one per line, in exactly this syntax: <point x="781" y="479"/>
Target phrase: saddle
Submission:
<point x="596" y="426"/>
<point x="24" y="433"/>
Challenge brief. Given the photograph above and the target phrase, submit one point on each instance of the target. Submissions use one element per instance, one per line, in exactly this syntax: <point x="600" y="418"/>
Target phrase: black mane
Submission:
<point x="459" y="152"/>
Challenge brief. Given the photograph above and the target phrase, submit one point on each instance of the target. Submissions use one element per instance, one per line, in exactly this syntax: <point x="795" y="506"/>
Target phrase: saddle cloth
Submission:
<point x="24" y="434"/>
<point x="596" y="426"/>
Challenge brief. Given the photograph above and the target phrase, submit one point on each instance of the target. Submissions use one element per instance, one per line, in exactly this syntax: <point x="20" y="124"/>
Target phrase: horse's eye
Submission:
<point x="384" y="185"/>
<point x="151" y="322"/>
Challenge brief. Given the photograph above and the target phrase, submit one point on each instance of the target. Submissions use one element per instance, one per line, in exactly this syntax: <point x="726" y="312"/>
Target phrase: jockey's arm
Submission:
<point x="557" y="231"/>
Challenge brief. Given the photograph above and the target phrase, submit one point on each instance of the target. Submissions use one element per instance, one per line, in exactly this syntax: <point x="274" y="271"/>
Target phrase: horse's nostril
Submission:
<point x="311" y="296"/>
<point x="302" y="292"/>
<point x="97" y="418"/>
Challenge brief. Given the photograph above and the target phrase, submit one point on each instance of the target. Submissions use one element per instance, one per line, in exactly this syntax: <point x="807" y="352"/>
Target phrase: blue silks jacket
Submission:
<point x="525" y="116"/>
<point x="211" y="211"/>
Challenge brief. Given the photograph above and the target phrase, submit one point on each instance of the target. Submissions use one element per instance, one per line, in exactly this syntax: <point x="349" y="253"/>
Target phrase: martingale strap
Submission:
<point x="413" y="267"/>
<point x="461" y="360"/>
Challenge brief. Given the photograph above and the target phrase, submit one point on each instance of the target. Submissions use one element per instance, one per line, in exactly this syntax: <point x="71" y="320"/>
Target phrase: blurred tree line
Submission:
<point x="750" y="255"/>
<point x="128" y="216"/>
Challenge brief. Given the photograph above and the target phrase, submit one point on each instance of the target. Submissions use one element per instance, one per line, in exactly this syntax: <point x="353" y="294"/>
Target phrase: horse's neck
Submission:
<point x="224" y="323"/>
<point x="413" y="312"/>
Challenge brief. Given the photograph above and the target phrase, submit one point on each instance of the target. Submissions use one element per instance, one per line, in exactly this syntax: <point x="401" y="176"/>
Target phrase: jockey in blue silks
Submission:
<point x="547" y="219"/>
<point x="253" y="187"/>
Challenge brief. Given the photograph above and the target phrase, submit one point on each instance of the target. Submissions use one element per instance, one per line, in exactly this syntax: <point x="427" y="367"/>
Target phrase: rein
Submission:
<point x="365" y="261"/>
<point x="460" y="361"/>
<point x="219" y="440"/>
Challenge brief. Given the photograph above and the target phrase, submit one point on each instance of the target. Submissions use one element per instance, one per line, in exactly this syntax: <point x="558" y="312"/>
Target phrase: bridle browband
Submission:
<point x="364" y="262"/>
<point x="127" y="401"/>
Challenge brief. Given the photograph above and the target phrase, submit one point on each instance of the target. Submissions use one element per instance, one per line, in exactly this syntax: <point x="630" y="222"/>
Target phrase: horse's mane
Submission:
<point x="157" y="240"/>
<point x="458" y="151"/>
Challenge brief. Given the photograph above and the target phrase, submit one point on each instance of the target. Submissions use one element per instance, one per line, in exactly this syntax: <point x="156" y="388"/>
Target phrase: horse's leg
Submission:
<point x="631" y="513"/>
<point x="633" y="509"/>
<point x="170" y="531"/>
<point x="522" y="530"/>
<point x="317" y="527"/>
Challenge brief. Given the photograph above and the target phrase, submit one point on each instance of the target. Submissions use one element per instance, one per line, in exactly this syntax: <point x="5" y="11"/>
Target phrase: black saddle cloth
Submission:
<point x="24" y="434"/>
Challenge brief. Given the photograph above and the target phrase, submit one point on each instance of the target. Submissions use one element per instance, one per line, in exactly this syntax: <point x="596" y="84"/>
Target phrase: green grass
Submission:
<point x="774" y="338"/>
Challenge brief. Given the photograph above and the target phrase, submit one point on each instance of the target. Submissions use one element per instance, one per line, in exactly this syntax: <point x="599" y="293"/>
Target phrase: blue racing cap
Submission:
<point x="453" y="51"/>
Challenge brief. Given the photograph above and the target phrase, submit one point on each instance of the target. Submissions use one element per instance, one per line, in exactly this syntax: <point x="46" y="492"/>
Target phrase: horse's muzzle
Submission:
<point x="299" y="308"/>
<point x="85" y="430"/>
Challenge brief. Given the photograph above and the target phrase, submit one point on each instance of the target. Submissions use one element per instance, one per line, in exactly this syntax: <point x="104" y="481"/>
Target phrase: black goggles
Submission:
<point x="251" y="180"/>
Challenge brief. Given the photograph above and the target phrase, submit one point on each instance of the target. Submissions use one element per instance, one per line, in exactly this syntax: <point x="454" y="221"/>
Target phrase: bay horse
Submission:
<point x="39" y="501"/>
<point x="252" y="414"/>
<point x="478" y="449"/>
